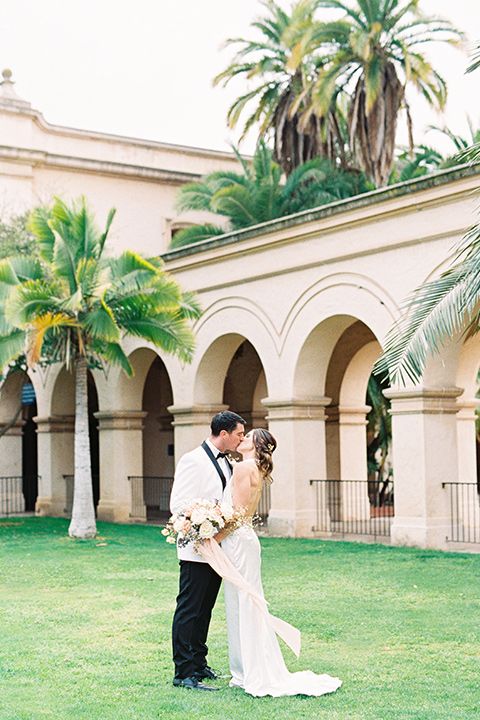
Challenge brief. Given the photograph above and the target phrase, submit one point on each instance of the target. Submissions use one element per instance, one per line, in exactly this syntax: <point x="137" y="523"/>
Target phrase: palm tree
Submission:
<point x="439" y="309"/>
<point x="280" y="67"/>
<point x="379" y="428"/>
<point x="472" y="154"/>
<point x="75" y="305"/>
<point x="372" y="53"/>
<point x="260" y="194"/>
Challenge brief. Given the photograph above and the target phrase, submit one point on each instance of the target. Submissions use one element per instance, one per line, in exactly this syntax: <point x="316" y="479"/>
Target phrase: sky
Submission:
<point x="144" y="68"/>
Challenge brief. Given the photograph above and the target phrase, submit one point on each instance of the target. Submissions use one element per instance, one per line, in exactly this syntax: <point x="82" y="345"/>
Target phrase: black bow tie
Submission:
<point x="220" y="455"/>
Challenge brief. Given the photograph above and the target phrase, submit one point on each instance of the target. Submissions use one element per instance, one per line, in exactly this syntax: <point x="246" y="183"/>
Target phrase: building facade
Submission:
<point x="295" y="315"/>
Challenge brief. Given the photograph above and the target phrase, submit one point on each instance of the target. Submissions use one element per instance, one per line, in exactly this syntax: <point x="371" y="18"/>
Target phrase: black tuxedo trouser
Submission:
<point x="198" y="590"/>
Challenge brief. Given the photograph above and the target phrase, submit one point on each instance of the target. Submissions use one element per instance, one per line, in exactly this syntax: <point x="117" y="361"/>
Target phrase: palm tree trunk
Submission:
<point x="83" y="512"/>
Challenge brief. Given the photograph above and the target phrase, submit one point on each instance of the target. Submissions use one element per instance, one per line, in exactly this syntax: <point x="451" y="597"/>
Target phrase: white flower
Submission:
<point x="171" y="540"/>
<point x="227" y="511"/>
<point x="179" y="524"/>
<point x="165" y="532"/>
<point x="207" y="530"/>
<point x="199" y="515"/>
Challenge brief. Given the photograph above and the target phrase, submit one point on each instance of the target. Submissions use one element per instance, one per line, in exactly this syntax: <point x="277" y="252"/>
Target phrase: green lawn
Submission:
<point x="85" y="629"/>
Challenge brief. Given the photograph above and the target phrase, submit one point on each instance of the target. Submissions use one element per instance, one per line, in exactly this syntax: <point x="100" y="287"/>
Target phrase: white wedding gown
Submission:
<point x="256" y="661"/>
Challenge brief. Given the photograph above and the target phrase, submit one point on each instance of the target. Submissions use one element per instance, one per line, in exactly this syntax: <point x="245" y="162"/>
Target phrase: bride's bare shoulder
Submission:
<point x="246" y="469"/>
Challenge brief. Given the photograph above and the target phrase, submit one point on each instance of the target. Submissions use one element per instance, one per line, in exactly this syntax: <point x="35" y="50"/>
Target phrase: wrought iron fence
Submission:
<point x="151" y="498"/>
<point x="265" y="503"/>
<point x="464" y="512"/>
<point x="12" y="497"/>
<point x="354" y="507"/>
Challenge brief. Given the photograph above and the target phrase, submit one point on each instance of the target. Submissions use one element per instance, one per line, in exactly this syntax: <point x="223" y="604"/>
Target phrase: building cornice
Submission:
<point x="76" y="133"/>
<point x="41" y="158"/>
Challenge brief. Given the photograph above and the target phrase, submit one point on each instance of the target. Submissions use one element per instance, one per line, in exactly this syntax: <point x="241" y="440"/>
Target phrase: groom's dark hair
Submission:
<point x="225" y="420"/>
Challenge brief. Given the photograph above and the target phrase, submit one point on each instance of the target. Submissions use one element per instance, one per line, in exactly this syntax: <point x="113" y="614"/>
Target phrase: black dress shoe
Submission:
<point x="192" y="683"/>
<point x="209" y="673"/>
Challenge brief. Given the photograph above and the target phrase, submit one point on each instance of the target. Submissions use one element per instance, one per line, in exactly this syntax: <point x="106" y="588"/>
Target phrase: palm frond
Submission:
<point x="114" y="354"/>
<point x="99" y="323"/>
<point x="49" y="322"/>
<point x="195" y="233"/>
<point x="39" y="225"/>
<point x="29" y="299"/>
<point x="167" y="331"/>
<point x="434" y="313"/>
<point x="12" y="346"/>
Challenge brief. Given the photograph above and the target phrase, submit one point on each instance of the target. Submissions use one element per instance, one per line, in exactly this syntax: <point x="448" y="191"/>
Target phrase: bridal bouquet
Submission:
<point x="200" y="521"/>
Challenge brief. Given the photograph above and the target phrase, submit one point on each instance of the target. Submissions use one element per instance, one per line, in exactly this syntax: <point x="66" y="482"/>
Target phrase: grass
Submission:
<point x="85" y="629"/>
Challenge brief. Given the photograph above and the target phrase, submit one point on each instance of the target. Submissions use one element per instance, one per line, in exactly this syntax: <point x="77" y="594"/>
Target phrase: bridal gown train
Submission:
<point x="256" y="661"/>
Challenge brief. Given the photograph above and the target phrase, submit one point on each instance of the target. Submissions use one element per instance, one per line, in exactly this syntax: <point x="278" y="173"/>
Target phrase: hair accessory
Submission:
<point x="270" y="447"/>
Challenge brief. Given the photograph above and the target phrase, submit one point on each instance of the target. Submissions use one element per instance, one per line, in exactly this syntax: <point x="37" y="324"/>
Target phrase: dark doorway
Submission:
<point x="29" y="457"/>
<point x="94" y="438"/>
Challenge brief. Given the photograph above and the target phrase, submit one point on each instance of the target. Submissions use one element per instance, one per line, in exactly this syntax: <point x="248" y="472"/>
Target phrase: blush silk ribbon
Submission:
<point x="211" y="551"/>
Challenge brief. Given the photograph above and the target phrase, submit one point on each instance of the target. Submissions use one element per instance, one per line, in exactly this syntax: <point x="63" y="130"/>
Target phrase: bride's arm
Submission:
<point x="240" y="495"/>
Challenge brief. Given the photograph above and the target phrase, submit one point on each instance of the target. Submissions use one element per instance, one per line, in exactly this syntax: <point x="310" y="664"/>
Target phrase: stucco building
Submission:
<point x="295" y="314"/>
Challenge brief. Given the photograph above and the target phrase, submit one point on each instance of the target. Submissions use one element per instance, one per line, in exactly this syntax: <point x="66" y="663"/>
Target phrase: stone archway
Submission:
<point x="158" y="447"/>
<point x="136" y="438"/>
<point x="346" y="383"/>
<point x="56" y="446"/>
<point x="18" y="444"/>
<point x="245" y="385"/>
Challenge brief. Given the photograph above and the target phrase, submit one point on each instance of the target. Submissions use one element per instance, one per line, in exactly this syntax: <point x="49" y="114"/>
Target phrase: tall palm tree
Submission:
<point x="472" y="154"/>
<point x="279" y="68"/>
<point x="75" y="305"/>
<point x="372" y="52"/>
<point x="260" y="193"/>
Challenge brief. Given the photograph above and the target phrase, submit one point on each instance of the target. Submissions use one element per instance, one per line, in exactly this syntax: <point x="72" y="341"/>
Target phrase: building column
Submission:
<point x="352" y="422"/>
<point x="121" y="457"/>
<point x="191" y="426"/>
<point x="424" y="428"/>
<point x="11" y="449"/>
<point x="299" y="428"/>
<point x="55" y="460"/>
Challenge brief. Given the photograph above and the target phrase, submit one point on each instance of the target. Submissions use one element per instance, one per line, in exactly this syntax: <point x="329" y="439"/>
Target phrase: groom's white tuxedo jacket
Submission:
<point x="195" y="477"/>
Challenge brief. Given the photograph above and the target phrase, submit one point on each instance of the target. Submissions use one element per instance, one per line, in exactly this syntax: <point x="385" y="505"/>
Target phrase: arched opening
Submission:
<point x="18" y="445"/>
<point x="29" y="447"/>
<point x="158" y="448"/>
<point x="245" y="385"/>
<point x="94" y="438"/>
<point x="335" y="367"/>
<point x="62" y="440"/>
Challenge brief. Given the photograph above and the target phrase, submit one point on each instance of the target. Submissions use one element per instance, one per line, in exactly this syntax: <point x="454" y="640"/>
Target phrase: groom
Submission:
<point x="201" y="473"/>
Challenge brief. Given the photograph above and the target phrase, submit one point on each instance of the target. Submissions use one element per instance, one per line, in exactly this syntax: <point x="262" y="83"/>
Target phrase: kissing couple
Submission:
<point x="256" y="661"/>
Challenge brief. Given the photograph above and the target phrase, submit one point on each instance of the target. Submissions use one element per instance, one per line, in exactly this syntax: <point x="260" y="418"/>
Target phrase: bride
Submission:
<point x="256" y="661"/>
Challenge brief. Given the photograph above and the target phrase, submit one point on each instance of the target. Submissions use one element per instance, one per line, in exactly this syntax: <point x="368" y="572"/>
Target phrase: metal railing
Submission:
<point x="12" y="498"/>
<point x="354" y="507"/>
<point x="464" y="512"/>
<point x="151" y="498"/>
<point x="265" y="503"/>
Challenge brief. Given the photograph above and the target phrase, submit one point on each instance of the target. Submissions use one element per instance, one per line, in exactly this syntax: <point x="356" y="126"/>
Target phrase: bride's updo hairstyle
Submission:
<point x="264" y="444"/>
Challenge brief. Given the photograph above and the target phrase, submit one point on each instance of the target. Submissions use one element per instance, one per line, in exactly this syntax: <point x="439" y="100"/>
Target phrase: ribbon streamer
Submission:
<point x="211" y="551"/>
